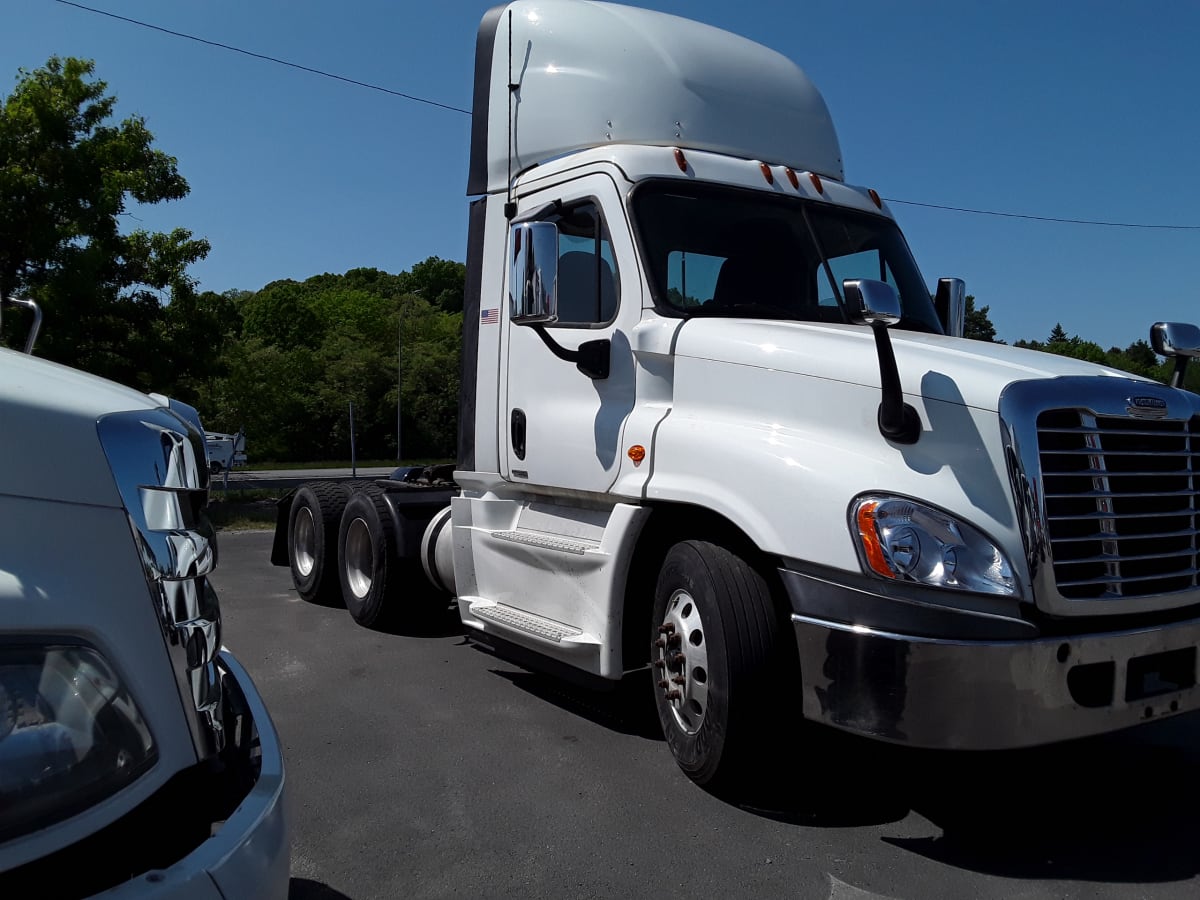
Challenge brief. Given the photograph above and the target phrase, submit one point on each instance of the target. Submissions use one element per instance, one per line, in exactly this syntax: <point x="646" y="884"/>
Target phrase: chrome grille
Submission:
<point x="1120" y="503"/>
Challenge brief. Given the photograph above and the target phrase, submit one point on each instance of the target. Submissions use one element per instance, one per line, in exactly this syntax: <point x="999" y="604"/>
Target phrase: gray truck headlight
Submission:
<point x="70" y="735"/>
<point x="908" y="541"/>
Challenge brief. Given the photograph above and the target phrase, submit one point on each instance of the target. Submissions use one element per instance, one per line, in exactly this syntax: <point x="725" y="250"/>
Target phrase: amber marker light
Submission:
<point x="637" y="453"/>
<point x="816" y="182"/>
<point x="875" y="198"/>
<point x="766" y="170"/>
<point x="680" y="160"/>
<point x="791" y="176"/>
<point x="870" y="540"/>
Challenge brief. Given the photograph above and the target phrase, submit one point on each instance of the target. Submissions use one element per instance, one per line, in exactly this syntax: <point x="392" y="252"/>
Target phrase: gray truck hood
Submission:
<point x="49" y="447"/>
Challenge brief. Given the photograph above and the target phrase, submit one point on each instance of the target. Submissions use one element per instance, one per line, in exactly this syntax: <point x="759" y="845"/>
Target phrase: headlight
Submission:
<point x="70" y="735"/>
<point x="909" y="541"/>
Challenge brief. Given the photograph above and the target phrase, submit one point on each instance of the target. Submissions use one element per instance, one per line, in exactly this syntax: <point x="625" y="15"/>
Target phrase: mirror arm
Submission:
<point x="898" y="421"/>
<point x="1179" y="371"/>
<point x="592" y="357"/>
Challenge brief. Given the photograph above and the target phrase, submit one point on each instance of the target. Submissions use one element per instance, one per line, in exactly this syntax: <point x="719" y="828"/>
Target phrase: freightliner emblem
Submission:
<point x="1147" y="407"/>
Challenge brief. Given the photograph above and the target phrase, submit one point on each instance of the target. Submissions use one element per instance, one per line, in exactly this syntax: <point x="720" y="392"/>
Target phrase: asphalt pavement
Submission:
<point x="420" y="765"/>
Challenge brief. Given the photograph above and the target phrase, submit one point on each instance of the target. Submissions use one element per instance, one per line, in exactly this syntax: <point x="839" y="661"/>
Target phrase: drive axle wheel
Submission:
<point x="312" y="539"/>
<point x="369" y="568"/>
<point x="717" y="651"/>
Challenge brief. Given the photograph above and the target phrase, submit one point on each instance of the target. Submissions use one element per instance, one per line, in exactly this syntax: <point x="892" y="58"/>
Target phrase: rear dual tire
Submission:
<point x="313" y="522"/>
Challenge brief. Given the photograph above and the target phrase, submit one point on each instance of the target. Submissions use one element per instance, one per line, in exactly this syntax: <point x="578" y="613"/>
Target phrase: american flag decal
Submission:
<point x="489" y="316"/>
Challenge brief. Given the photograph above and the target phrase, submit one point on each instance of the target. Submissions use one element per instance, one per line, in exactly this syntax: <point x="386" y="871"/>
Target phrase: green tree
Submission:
<point x="978" y="325"/>
<point x="1057" y="335"/>
<point x="67" y="176"/>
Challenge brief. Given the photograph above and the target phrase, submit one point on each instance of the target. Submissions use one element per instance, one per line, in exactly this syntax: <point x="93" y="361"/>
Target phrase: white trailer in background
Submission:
<point x="713" y="426"/>
<point x="225" y="451"/>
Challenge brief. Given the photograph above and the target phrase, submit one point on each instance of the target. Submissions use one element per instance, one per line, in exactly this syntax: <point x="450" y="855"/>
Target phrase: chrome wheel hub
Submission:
<point x="680" y="660"/>
<point x="359" y="558"/>
<point x="304" y="542"/>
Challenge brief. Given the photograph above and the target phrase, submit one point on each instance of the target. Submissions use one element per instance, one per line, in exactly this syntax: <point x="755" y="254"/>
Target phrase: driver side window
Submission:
<point x="587" y="283"/>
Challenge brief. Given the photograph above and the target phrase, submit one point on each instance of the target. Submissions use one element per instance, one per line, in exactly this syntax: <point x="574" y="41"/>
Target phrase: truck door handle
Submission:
<point x="518" y="433"/>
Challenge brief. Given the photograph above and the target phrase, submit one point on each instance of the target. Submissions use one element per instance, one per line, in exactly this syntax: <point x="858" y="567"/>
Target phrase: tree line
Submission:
<point x="284" y="363"/>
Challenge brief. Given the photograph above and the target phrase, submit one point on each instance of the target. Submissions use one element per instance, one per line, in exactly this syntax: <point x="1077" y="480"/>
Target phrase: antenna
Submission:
<point x="510" y="208"/>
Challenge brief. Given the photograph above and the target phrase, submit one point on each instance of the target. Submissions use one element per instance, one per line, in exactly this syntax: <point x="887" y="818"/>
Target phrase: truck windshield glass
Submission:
<point x="718" y="251"/>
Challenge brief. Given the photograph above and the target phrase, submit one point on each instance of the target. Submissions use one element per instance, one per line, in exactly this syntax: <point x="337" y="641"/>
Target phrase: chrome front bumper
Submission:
<point x="250" y="855"/>
<point x="990" y="695"/>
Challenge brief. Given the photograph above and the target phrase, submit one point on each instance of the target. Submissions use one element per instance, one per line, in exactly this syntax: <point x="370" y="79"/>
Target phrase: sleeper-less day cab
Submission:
<point x="690" y="441"/>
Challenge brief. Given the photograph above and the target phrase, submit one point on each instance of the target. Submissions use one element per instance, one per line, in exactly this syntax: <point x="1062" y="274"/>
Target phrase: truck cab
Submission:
<point x="715" y="425"/>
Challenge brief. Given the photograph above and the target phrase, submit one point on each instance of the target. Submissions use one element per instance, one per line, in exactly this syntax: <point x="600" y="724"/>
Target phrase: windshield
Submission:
<point x="721" y="251"/>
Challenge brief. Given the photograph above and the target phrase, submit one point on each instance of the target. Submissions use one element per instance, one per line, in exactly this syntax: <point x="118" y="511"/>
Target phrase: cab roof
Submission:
<point x="588" y="74"/>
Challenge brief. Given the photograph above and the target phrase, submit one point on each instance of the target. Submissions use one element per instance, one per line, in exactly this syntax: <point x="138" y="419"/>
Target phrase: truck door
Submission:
<point x="560" y="427"/>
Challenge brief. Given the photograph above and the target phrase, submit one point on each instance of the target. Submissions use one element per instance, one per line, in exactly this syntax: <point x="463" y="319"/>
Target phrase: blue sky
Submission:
<point x="1078" y="109"/>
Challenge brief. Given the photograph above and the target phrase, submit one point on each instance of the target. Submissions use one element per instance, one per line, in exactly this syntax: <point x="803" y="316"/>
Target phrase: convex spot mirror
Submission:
<point x="1175" y="339"/>
<point x="868" y="301"/>
<point x="533" y="273"/>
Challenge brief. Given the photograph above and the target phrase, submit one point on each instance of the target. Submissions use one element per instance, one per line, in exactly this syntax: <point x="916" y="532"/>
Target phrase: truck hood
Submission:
<point x="972" y="373"/>
<point x="49" y="446"/>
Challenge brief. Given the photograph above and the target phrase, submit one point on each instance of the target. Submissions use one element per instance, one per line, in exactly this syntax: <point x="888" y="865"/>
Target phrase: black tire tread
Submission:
<point x="751" y="631"/>
<point x="328" y="500"/>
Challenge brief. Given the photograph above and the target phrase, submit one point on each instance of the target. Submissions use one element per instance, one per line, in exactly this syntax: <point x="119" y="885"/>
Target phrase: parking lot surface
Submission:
<point x="420" y="765"/>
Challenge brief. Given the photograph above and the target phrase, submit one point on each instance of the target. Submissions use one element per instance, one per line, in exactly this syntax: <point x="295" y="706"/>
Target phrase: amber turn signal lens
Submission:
<point x="874" y="198"/>
<point x="680" y="160"/>
<point x="766" y="170"/>
<point x="637" y="453"/>
<point x="791" y="176"/>
<point x="870" y="540"/>
<point x="816" y="182"/>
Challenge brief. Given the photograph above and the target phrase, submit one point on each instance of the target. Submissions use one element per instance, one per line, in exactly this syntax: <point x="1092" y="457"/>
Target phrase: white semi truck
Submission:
<point x="713" y="425"/>
<point x="136" y="756"/>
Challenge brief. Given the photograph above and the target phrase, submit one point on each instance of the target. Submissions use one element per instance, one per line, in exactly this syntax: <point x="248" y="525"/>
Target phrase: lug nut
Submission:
<point x="679" y="679"/>
<point x="674" y="640"/>
<point x="666" y="629"/>
<point x="660" y="664"/>
<point x="677" y="661"/>
<point x="660" y="643"/>
<point x="673" y="695"/>
<point x="663" y="684"/>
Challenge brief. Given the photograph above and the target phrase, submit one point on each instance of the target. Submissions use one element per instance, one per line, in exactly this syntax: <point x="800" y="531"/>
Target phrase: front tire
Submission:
<point x="312" y="540"/>
<point x="717" y="647"/>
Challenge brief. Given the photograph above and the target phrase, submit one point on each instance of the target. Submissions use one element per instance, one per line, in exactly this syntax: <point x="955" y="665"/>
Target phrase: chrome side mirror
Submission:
<point x="877" y="304"/>
<point x="950" y="303"/>
<point x="533" y="273"/>
<point x="868" y="302"/>
<point x="1177" y="340"/>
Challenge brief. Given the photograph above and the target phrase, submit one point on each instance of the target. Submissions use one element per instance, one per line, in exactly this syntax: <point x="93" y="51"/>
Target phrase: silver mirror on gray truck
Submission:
<point x="533" y="273"/>
<point x="950" y="303"/>
<point x="1176" y="340"/>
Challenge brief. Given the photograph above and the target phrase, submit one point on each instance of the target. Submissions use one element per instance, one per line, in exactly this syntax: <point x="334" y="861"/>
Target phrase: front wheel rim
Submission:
<point x="359" y="558"/>
<point x="681" y="662"/>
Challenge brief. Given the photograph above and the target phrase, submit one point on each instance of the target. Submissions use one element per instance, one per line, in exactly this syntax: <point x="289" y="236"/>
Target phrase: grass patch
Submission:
<point x="253" y="509"/>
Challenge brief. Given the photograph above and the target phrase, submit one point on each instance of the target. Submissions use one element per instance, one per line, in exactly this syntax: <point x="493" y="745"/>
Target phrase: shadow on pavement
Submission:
<point x="627" y="709"/>
<point x="1116" y="809"/>
<point x="304" y="889"/>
